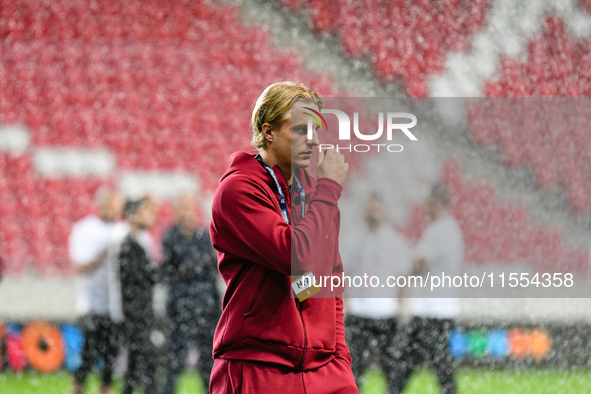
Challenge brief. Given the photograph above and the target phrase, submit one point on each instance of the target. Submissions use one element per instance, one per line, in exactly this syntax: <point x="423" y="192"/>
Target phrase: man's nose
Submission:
<point x="315" y="141"/>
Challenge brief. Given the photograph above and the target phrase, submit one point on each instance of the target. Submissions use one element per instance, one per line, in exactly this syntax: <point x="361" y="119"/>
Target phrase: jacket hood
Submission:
<point x="246" y="164"/>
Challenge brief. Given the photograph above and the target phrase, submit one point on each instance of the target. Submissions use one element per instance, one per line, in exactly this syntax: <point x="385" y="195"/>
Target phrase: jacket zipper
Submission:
<point x="301" y="366"/>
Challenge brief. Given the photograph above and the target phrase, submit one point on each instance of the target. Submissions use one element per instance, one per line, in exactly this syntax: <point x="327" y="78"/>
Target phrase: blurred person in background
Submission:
<point x="138" y="275"/>
<point x="193" y="306"/>
<point x="439" y="250"/>
<point x="88" y="243"/>
<point x="118" y="235"/>
<point x="375" y="249"/>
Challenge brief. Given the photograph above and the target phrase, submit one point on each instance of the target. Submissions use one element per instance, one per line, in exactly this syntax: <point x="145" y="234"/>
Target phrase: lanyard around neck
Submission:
<point x="282" y="200"/>
<point x="302" y="194"/>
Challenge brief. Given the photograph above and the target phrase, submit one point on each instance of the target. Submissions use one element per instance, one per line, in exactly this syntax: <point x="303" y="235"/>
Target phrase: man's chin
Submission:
<point x="301" y="163"/>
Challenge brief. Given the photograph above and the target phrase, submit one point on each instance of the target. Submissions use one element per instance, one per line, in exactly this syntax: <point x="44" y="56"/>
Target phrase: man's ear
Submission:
<point x="267" y="131"/>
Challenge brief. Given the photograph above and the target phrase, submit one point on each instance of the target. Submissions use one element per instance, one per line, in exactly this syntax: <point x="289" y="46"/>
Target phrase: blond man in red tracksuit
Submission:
<point x="267" y="341"/>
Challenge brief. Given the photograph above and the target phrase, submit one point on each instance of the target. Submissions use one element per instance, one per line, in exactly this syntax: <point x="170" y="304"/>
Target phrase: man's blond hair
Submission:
<point x="273" y="105"/>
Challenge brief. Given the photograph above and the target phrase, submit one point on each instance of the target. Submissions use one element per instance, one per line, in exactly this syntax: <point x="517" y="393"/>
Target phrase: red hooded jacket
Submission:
<point x="261" y="320"/>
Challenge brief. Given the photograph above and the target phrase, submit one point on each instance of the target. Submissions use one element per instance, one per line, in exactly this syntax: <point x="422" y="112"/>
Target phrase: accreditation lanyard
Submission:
<point x="282" y="200"/>
<point x="304" y="286"/>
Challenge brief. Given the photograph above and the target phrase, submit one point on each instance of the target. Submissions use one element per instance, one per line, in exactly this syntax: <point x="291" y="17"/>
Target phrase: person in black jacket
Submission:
<point x="138" y="276"/>
<point x="193" y="304"/>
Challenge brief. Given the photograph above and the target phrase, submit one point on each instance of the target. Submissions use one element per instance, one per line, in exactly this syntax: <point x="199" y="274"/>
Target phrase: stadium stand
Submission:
<point x="37" y="214"/>
<point x="556" y="65"/>
<point x="547" y="136"/>
<point x="403" y="39"/>
<point x="137" y="79"/>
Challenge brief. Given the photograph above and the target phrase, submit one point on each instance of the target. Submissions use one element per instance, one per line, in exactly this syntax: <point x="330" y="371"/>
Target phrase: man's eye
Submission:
<point x="315" y="129"/>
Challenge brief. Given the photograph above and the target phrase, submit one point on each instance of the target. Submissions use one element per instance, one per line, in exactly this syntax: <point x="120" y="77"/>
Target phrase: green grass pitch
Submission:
<point x="477" y="381"/>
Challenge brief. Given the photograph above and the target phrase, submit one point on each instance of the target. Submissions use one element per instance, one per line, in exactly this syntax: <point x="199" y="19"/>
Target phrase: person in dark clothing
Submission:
<point x="138" y="276"/>
<point x="440" y="250"/>
<point x="101" y="339"/>
<point x="423" y="340"/>
<point x="193" y="306"/>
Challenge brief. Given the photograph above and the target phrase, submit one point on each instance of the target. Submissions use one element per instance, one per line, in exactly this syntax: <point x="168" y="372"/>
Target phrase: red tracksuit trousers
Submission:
<point x="247" y="377"/>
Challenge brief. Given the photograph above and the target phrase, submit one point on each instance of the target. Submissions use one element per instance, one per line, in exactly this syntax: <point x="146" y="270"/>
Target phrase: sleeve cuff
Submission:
<point x="328" y="191"/>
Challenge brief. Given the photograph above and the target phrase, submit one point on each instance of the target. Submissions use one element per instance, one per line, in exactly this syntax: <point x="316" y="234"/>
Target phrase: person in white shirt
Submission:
<point x="376" y="249"/>
<point x="88" y="250"/>
<point x="439" y="250"/>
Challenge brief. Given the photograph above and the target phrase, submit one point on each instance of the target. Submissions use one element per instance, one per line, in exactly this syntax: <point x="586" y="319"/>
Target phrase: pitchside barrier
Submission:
<point x="47" y="347"/>
<point x="51" y="346"/>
